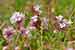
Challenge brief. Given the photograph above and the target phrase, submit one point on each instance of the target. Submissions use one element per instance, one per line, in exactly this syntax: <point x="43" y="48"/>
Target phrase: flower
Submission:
<point x="62" y="25"/>
<point x="59" y="18"/>
<point x="17" y="48"/>
<point x="24" y="31"/>
<point x="37" y="8"/>
<point x="69" y="48"/>
<point x="63" y="22"/>
<point x="5" y="48"/>
<point x="8" y="32"/>
<point x="34" y="18"/>
<point x="16" y="17"/>
<point x="33" y="22"/>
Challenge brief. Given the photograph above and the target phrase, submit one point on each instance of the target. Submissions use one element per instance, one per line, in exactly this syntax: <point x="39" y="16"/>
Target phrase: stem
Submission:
<point x="41" y="36"/>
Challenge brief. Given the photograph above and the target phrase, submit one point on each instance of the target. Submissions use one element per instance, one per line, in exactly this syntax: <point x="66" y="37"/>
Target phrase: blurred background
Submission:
<point x="42" y="40"/>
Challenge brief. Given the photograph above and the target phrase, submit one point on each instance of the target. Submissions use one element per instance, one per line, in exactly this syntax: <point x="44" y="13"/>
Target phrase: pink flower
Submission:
<point x="59" y="18"/>
<point x="69" y="49"/>
<point x="63" y="22"/>
<point x="24" y="31"/>
<point x="17" y="17"/>
<point x="37" y="8"/>
<point x="17" y="48"/>
<point x="5" y="48"/>
<point x="8" y="32"/>
<point x="34" y="18"/>
<point x="33" y="22"/>
<point x="62" y="25"/>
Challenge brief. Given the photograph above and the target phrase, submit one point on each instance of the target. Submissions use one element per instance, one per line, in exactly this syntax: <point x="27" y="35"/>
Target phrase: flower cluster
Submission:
<point x="8" y="32"/>
<point x="17" y="17"/>
<point x="33" y="22"/>
<point x="5" y="48"/>
<point x="63" y="23"/>
<point x="36" y="10"/>
<point x="17" y="48"/>
<point x="24" y="31"/>
<point x="69" y="49"/>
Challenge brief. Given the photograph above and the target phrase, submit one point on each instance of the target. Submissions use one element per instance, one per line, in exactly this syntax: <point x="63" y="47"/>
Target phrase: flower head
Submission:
<point x="17" y="48"/>
<point x="62" y="25"/>
<point x="59" y="18"/>
<point x="5" y="48"/>
<point x="17" y="17"/>
<point x="34" y="18"/>
<point x="26" y="44"/>
<point x="63" y="22"/>
<point x="37" y="8"/>
<point x="33" y="22"/>
<point x="24" y="31"/>
<point x="8" y="32"/>
<point x="69" y="48"/>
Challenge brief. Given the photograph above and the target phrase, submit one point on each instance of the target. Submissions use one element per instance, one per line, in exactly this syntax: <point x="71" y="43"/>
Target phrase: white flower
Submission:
<point x="27" y="31"/>
<point x="62" y="25"/>
<point x="5" y="48"/>
<point x="26" y="44"/>
<point x="33" y="22"/>
<point x="17" y="48"/>
<point x="59" y="18"/>
<point x="8" y="32"/>
<point x="17" y="16"/>
<point x="65" y="23"/>
<point x="37" y="8"/>
<point x="69" y="48"/>
<point x="34" y="18"/>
